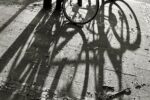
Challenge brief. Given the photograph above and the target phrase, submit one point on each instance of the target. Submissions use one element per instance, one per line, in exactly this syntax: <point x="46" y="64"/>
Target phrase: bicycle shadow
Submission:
<point x="48" y="48"/>
<point x="73" y="62"/>
<point x="115" y="36"/>
<point x="100" y="45"/>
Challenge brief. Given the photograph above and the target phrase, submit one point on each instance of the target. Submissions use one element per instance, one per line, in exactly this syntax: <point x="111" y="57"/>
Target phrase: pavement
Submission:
<point x="44" y="57"/>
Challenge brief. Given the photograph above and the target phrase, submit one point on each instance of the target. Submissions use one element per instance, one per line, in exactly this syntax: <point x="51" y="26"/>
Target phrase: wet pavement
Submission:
<point x="44" y="57"/>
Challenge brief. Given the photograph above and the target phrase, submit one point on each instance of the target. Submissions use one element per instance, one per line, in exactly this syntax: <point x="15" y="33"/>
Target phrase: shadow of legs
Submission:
<point x="47" y="4"/>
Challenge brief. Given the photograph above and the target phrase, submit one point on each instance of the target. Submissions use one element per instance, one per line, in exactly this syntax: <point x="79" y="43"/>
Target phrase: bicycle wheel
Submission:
<point x="80" y="14"/>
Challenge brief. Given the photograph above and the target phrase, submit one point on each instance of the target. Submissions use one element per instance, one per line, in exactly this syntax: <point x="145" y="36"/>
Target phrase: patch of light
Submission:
<point x="13" y="95"/>
<point x="25" y="71"/>
<point x="70" y="30"/>
<point x="29" y="74"/>
<point x="37" y="72"/>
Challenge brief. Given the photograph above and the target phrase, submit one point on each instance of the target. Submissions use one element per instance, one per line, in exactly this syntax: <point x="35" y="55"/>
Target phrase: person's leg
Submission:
<point x="80" y="2"/>
<point x="47" y="4"/>
<point x="58" y="4"/>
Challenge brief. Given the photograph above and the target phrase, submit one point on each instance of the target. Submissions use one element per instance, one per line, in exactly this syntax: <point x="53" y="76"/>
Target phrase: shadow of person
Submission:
<point x="14" y="52"/>
<point x="30" y="59"/>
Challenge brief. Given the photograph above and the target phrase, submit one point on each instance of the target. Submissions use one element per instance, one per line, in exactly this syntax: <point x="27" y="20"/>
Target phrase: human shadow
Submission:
<point x="18" y="45"/>
<point x="30" y="53"/>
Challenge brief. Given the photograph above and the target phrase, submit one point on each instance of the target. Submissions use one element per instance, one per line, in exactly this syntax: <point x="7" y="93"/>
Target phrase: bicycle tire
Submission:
<point x="90" y="9"/>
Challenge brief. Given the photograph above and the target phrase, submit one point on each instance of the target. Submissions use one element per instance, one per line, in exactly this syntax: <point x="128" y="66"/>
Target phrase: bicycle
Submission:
<point x="80" y="11"/>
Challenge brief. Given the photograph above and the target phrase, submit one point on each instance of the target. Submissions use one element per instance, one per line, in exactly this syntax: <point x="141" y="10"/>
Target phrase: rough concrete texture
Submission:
<point x="43" y="57"/>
